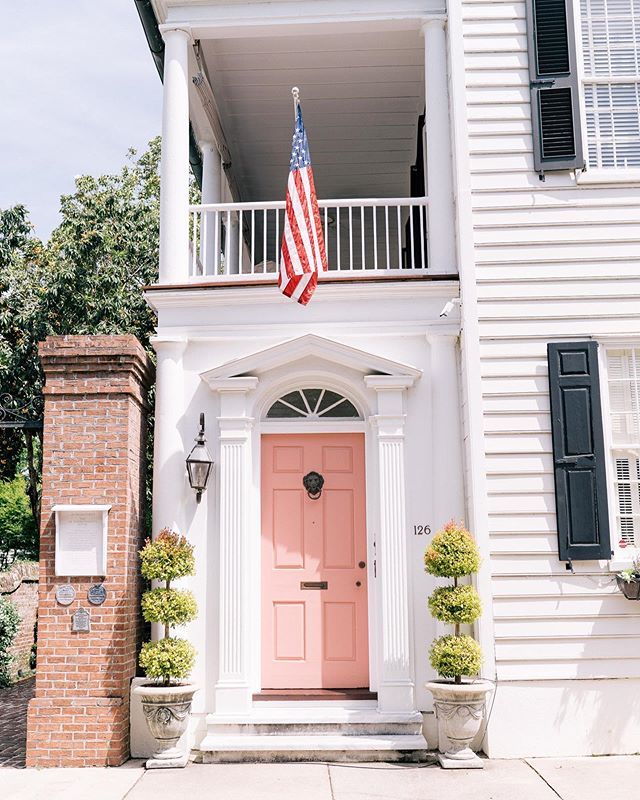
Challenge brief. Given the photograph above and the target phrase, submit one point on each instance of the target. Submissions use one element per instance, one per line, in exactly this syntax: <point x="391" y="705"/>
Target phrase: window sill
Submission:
<point x="595" y="177"/>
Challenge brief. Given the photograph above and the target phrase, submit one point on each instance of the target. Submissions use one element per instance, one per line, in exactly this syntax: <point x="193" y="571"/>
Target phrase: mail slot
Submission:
<point x="314" y="585"/>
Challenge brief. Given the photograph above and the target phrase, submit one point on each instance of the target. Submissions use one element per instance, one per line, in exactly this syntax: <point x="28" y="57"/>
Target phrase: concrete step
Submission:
<point x="347" y="722"/>
<point x="328" y="747"/>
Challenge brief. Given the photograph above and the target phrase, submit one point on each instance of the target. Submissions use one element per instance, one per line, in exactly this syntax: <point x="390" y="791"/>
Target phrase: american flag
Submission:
<point x="303" y="254"/>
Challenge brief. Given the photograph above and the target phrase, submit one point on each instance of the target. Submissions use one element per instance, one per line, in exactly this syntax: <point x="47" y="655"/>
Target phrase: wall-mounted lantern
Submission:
<point x="199" y="463"/>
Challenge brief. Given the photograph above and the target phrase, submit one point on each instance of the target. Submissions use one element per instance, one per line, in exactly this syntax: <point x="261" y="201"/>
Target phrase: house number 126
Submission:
<point x="421" y="530"/>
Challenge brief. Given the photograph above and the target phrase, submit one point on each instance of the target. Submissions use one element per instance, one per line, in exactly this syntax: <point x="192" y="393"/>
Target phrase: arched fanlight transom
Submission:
<point x="313" y="404"/>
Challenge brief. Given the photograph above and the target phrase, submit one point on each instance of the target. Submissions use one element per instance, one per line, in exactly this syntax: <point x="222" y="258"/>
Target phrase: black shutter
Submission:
<point x="555" y="109"/>
<point x="578" y="451"/>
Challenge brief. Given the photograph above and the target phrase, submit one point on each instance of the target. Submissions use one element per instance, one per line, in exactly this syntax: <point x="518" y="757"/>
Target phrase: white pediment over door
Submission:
<point x="307" y="347"/>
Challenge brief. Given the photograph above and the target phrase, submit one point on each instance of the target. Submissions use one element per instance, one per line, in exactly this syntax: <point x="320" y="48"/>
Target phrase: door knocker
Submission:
<point x="313" y="483"/>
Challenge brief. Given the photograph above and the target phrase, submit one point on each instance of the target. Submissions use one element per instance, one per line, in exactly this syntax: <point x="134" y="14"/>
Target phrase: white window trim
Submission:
<point x="622" y="557"/>
<point x="596" y="175"/>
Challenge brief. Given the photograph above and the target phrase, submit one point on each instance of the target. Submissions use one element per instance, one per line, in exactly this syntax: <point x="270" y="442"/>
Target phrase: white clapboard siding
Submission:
<point x="554" y="260"/>
<point x="572" y="627"/>
<point x="524" y="544"/>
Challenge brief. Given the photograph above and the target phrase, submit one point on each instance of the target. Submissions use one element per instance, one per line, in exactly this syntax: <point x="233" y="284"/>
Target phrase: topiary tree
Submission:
<point x="169" y="557"/>
<point x="454" y="554"/>
<point x="9" y="624"/>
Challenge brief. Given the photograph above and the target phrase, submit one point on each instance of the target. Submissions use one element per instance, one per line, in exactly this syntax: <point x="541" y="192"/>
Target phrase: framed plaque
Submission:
<point x="81" y="539"/>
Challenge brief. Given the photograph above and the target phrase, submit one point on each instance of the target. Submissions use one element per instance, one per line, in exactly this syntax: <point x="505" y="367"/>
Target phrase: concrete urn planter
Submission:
<point x="166" y="710"/>
<point x="459" y="710"/>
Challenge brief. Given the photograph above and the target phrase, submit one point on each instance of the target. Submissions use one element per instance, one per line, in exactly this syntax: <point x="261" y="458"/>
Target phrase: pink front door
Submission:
<point x="314" y="637"/>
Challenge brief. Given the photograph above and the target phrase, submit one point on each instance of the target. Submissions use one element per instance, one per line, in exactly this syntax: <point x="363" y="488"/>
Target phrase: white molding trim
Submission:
<point x="204" y="295"/>
<point x="471" y="379"/>
<point x="233" y="687"/>
<point x="396" y="684"/>
<point x="306" y="347"/>
<point x="385" y="382"/>
<point x="232" y="20"/>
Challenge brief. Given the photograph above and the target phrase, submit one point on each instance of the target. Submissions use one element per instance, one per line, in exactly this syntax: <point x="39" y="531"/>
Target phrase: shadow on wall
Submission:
<point x="582" y="692"/>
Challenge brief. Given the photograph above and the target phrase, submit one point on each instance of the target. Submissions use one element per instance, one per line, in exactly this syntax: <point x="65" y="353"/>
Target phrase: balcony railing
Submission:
<point x="363" y="238"/>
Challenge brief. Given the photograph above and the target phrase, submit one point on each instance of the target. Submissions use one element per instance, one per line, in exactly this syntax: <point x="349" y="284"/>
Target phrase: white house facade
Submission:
<point x="467" y="251"/>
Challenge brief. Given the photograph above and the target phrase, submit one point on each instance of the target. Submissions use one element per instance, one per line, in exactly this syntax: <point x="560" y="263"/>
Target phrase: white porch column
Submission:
<point x="396" y="685"/>
<point x="211" y="193"/>
<point x="233" y="690"/>
<point x="174" y="168"/>
<point x="169" y="468"/>
<point x="441" y="228"/>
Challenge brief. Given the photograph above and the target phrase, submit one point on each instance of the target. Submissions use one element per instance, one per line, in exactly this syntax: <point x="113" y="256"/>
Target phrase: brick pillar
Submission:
<point x="94" y="452"/>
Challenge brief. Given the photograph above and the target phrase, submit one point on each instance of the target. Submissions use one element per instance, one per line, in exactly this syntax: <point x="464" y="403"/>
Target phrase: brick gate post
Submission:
<point x="94" y="453"/>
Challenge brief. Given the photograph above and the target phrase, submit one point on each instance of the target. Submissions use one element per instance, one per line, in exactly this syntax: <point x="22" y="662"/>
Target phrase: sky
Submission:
<point x="78" y="87"/>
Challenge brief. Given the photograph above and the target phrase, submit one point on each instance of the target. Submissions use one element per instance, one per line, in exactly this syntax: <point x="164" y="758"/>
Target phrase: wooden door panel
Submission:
<point x="289" y="631"/>
<point x="287" y="551"/>
<point x="338" y="551"/>
<point x="314" y="638"/>
<point x="339" y="628"/>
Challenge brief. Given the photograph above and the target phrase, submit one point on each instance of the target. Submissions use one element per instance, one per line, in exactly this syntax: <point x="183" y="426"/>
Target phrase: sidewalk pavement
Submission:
<point x="609" y="777"/>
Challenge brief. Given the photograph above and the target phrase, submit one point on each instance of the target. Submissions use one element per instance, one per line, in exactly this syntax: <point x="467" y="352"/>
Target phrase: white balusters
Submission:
<point x="243" y="240"/>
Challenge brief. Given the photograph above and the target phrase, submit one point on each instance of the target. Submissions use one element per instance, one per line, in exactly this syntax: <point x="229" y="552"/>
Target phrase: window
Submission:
<point x="623" y="375"/>
<point x="313" y="404"/>
<point x="611" y="81"/>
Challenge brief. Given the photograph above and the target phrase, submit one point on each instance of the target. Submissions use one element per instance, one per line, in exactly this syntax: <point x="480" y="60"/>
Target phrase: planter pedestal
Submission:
<point x="166" y="710"/>
<point x="459" y="711"/>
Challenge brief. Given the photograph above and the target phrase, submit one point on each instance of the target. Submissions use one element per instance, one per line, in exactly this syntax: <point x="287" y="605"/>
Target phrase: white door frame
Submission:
<point x="381" y="400"/>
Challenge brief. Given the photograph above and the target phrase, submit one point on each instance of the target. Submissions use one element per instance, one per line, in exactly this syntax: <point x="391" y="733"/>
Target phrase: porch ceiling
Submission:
<point x="361" y="92"/>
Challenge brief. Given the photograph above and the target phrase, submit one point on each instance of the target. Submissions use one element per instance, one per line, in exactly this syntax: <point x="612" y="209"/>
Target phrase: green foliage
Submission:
<point x="167" y="659"/>
<point x="453" y="553"/>
<point x="455" y="604"/>
<point x="633" y="572"/>
<point x="86" y="280"/>
<point x="169" y="606"/>
<point x="9" y="624"/>
<point x="169" y="556"/>
<point x="33" y="655"/>
<point x="455" y="656"/>
<point x="18" y="534"/>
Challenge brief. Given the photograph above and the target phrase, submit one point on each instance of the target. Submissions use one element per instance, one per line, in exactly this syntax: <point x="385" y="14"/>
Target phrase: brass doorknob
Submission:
<point x="358" y="583"/>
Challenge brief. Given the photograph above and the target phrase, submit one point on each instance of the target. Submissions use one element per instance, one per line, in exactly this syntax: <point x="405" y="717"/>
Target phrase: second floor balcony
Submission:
<point x="364" y="238"/>
<point x="373" y="85"/>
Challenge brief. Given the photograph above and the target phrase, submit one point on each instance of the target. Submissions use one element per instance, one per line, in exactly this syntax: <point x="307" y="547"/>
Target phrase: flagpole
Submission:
<point x="296" y="101"/>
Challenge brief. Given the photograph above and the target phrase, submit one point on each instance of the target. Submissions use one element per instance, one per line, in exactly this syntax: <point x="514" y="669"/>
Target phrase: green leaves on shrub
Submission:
<point x="169" y="556"/>
<point x="455" y="604"/>
<point x="9" y="624"/>
<point x="18" y="533"/>
<point x="455" y="656"/>
<point x="453" y="553"/>
<point x="167" y="659"/>
<point x="169" y="606"/>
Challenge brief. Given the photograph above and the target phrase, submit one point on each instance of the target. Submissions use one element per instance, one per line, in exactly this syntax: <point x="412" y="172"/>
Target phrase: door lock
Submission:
<point x="362" y="564"/>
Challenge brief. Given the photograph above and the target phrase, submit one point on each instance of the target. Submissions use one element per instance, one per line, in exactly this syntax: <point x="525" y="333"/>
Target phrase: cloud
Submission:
<point x="78" y="89"/>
